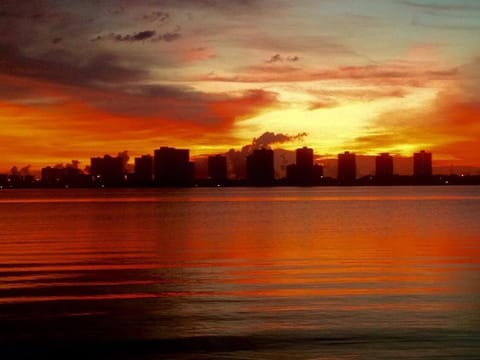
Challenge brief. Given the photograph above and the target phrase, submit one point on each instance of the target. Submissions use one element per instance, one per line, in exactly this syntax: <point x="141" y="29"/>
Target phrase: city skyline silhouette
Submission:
<point x="172" y="167"/>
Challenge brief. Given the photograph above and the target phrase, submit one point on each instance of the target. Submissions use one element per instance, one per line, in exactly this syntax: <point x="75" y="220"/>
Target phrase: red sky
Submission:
<point x="81" y="79"/>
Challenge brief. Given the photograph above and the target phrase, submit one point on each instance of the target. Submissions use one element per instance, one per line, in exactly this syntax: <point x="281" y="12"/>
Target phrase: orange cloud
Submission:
<point x="79" y="122"/>
<point x="409" y="74"/>
<point x="448" y="127"/>
<point x="197" y="54"/>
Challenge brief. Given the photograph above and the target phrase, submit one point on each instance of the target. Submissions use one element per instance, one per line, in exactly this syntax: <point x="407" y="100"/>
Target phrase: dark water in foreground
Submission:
<point x="324" y="273"/>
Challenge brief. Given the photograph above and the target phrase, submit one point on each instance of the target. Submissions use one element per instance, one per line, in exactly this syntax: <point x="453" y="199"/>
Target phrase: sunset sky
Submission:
<point x="85" y="78"/>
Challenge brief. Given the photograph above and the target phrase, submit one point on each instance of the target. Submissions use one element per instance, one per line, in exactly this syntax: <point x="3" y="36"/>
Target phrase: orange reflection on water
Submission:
<point x="239" y="252"/>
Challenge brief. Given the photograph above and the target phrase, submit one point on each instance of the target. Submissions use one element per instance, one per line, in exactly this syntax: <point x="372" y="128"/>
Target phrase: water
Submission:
<point x="238" y="273"/>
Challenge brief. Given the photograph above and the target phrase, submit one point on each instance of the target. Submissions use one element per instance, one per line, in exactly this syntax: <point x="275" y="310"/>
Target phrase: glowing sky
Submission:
<point x="85" y="78"/>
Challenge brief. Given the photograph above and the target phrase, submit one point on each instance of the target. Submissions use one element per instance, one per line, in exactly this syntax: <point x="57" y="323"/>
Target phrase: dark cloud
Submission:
<point x="32" y="10"/>
<point x="166" y="91"/>
<point x="156" y="16"/>
<point x="219" y="5"/>
<point x="100" y="69"/>
<point x="105" y="85"/>
<point x="141" y="36"/>
<point x="275" y="58"/>
<point x="279" y="58"/>
<point x="270" y="138"/>
<point x="182" y="104"/>
<point x="168" y="36"/>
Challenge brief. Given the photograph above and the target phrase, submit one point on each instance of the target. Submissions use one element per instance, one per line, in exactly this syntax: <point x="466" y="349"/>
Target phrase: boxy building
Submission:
<point x="172" y="167"/>
<point x="347" y="168"/>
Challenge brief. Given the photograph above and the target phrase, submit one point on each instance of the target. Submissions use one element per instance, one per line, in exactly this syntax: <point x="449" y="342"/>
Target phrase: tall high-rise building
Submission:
<point x="384" y="165"/>
<point x="172" y="167"/>
<point x="304" y="171"/>
<point x="291" y="173"/>
<point x="422" y="164"/>
<point x="51" y="176"/>
<point x="304" y="157"/>
<point x="317" y="173"/>
<point x="107" y="170"/>
<point x="304" y="162"/>
<point x="260" y="169"/>
<point x="217" y="168"/>
<point x="3" y="181"/>
<point x="64" y="176"/>
<point x="347" y="168"/>
<point x="143" y="170"/>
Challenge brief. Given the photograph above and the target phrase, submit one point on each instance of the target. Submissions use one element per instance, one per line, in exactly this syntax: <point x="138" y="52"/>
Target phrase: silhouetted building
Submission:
<point x="347" y="168"/>
<point x="384" y="165"/>
<point x="63" y="176"/>
<point x="107" y="171"/>
<point x="292" y="174"/>
<point x="317" y="173"/>
<point x="217" y="168"/>
<point x="14" y="180"/>
<point x="143" y="170"/>
<point x="260" y="171"/>
<point x="304" y="172"/>
<point x="422" y="164"/>
<point x="304" y="158"/>
<point x="3" y="181"/>
<point x="172" y="167"/>
<point x="28" y="180"/>
<point x="52" y="176"/>
<point x="17" y="180"/>
<point x="75" y="177"/>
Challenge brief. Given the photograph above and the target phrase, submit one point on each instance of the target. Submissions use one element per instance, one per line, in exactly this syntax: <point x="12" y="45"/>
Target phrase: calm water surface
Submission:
<point x="323" y="273"/>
